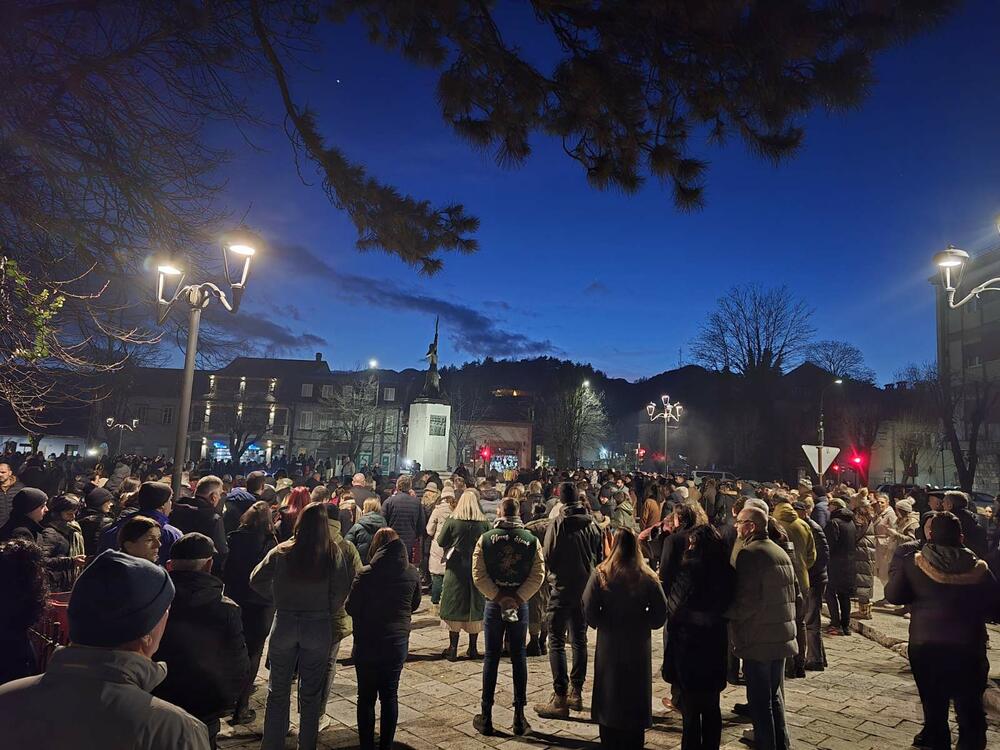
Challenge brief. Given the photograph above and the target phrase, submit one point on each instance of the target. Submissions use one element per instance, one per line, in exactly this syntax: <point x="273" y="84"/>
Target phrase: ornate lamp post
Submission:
<point x="951" y="263"/>
<point x="671" y="413"/>
<point x="112" y="424"/>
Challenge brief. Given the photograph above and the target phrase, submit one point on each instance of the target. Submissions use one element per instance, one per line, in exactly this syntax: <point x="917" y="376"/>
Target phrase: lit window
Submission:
<point x="307" y="390"/>
<point x="389" y="394"/>
<point x="306" y="420"/>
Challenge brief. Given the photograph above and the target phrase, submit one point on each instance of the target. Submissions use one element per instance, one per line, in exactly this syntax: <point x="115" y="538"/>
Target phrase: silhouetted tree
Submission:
<point x="840" y="358"/>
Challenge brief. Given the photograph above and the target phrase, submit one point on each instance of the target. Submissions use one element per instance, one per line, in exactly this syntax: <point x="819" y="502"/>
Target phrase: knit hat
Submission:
<point x="756" y="502"/>
<point x="837" y="503"/>
<point x="152" y="495"/>
<point x="905" y="504"/>
<point x="97" y="497"/>
<point x="448" y="491"/>
<point x="799" y="505"/>
<point x="431" y="486"/>
<point x="27" y="500"/>
<point x="117" y="599"/>
<point x="61" y="503"/>
<point x="192" y="546"/>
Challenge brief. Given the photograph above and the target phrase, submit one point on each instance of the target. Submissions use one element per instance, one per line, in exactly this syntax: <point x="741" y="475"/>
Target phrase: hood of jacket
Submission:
<point x="575" y="517"/>
<point x="194" y="588"/>
<point x="951" y="565"/>
<point x="785" y="513"/>
<point x="843" y="514"/>
<point x="372" y="522"/>
<point x="107" y="665"/>
<point x="391" y="555"/>
<point x="334" y="524"/>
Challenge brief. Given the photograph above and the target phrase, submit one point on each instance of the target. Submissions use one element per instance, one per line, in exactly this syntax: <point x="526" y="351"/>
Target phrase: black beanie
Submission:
<point x="97" y="497"/>
<point x="27" y="500"/>
<point x="63" y="502"/>
<point x="567" y="493"/>
<point x="153" y="495"/>
<point x="192" y="546"/>
<point x="116" y="599"/>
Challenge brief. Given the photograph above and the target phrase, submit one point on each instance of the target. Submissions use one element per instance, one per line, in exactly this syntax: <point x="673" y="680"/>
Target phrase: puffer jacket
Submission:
<point x="573" y="546"/>
<point x="435" y="559"/>
<point x="362" y="533"/>
<point x="93" y="523"/>
<point x="404" y="514"/>
<point x="803" y="544"/>
<point x="61" y="540"/>
<point x="864" y="560"/>
<point x="840" y="535"/>
<point x="762" y="615"/>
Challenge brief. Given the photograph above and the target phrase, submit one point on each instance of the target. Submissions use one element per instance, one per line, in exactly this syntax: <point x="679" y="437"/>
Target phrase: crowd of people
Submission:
<point x="179" y="597"/>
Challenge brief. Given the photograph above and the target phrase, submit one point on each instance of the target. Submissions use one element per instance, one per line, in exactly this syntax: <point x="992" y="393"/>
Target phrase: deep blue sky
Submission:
<point x="624" y="282"/>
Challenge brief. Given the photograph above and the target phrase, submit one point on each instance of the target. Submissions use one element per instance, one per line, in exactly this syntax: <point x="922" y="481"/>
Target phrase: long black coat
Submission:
<point x="840" y="535"/>
<point x="623" y="615"/>
<point x="247" y="548"/>
<point x="198" y="514"/>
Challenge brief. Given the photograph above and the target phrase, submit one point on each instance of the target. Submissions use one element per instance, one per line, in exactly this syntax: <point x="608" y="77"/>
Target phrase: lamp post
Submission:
<point x="821" y="431"/>
<point x="238" y="249"/>
<point x="671" y="413"/>
<point x="373" y="365"/>
<point x="112" y="424"/>
<point x="951" y="263"/>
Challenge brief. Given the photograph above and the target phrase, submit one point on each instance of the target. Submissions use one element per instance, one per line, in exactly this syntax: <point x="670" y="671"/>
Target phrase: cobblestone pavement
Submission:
<point x="866" y="699"/>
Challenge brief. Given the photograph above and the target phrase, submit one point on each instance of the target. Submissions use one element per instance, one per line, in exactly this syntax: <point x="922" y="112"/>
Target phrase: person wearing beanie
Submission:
<point x="95" y="518"/>
<point x="821" y="506"/>
<point x="61" y="538"/>
<point x="573" y="546"/>
<point x="27" y="513"/>
<point x="203" y="644"/>
<point x="153" y="500"/>
<point x="102" y="681"/>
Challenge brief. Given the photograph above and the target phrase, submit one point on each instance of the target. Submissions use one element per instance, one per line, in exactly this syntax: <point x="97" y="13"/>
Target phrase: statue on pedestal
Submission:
<point x="432" y="381"/>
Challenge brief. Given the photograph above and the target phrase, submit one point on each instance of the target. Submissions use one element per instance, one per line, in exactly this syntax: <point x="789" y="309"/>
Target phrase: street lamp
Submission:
<point x="373" y="365"/>
<point x="586" y="384"/>
<point x="821" y="431"/>
<point x="671" y="413"/>
<point x="951" y="263"/>
<point x="112" y="424"/>
<point x="238" y="249"/>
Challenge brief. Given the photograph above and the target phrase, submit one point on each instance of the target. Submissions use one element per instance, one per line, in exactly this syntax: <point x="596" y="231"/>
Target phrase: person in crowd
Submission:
<point x="201" y="513"/>
<point x="360" y="490"/>
<point x="288" y="513"/>
<point x="385" y="594"/>
<point x="957" y="503"/>
<point x="841" y="581"/>
<point x="815" y="651"/>
<point x="152" y="500"/>
<point x="139" y="536"/>
<point x="905" y="528"/>
<point x="803" y="555"/>
<point x="573" y="547"/>
<point x="436" y="563"/>
<point x="696" y="652"/>
<point x="27" y="513"/>
<point x="429" y="499"/>
<point x="884" y="519"/>
<point x="308" y="578"/>
<point x="124" y="497"/>
<point x="623" y="601"/>
<point x="101" y="682"/>
<point x="534" y="495"/>
<point x="821" y="506"/>
<point x="489" y="498"/>
<point x="864" y="556"/>
<point x="10" y="485"/>
<point x="202" y="645"/>
<point x="461" y="603"/>
<point x="248" y="545"/>
<point x="538" y="604"/>
<point x="349" y="511"/>
<point x="362" y="533"/>
<point x="239" y="500"/>
<point x="95" y="518"/>
<point x="762" y="625"/>
<point x="23" y="588"/>
<point x="61" y="537"/>
<point x="507" y="569"/>
<point x="951" y="594"/>
<point x="404" y="514"/>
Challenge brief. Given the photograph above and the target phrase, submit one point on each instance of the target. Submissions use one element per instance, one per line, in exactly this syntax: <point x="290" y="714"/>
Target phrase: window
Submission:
<point x="437" y="425"/>
<point x="307" y="390"/>
<point x="168" y="415"/>
<point x="142" y="413"/>
<point x="973" y="360"/>
<point x="389" y="394"/>
<point x="71" y="450"/>
<point x="306" y="419"/>
<point x="348" y="391"/>
<point x="327" y="391"/>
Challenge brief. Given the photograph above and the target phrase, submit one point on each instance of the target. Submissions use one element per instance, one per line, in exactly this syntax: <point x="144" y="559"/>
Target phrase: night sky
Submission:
<point x="624" y="282"/>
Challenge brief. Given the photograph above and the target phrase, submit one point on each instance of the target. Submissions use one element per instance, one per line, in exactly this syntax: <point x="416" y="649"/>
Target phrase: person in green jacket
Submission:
<point x="461" y="603"/>
<point x="803" y="556"/>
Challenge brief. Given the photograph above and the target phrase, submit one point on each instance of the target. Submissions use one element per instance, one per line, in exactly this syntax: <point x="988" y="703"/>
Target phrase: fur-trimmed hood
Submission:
<point x="951" y="565"/>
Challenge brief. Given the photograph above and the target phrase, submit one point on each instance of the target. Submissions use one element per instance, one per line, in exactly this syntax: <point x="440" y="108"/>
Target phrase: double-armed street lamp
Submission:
<point x="238" y="249"/>
<point x="671" y="413"/>
<point x="112" y="424"/>
<point x="951" y="263"/>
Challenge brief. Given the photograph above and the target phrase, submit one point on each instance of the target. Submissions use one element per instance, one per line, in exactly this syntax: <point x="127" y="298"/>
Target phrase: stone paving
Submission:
<point x="866" y="699"/>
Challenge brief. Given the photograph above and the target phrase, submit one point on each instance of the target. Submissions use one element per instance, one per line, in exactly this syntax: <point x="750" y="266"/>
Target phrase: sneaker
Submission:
<point x="246" y="716"/>
<point x="814" y="667"/>
<point x="521" y="725"/>
<point x="742" y="709"/>
<point x="483" y="724"/>
<point x="575" y="699"/>
<point x="747" y="738"/>
<point x="556" y="708"/>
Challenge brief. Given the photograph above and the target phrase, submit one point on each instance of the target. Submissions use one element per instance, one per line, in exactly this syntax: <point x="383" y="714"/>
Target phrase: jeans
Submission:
<point x="332" y="671"/>
<point x="840" y="609"/>
<point x="943" y="673"/>
<point x="767" y="706"/>
<point x="378" y="680"/>
<point x="702" y="720"/>
<point x="622" y="739"/>
<point x="303" y="639"/>
<point x="437" y="583"/>
<point x="494" y="630"/>
<point x="560" y="620"/>
<point x="257" y="621"/>
<point x="815" y="651"/>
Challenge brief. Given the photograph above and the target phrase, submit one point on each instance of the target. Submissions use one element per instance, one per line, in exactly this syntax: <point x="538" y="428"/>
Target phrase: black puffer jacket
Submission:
<point x="93" y="523"/>
<point x="382" y="600"/>
<point x="840" y="536"/>
<point x="951" y="595"/>
<point x="405" y="515"/>
<point x="203" y="646"/>
<point x="247" y="548"/>
<point x="198" y="514"/>
<point x="573" y="547"/>
<point x="361" y="533"/>
<point x="973" y="532"/>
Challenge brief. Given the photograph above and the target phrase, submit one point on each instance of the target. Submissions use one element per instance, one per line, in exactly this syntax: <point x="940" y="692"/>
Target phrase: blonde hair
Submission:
<point x="468" y="508"/>
<point x="626" y="563"/>
<point x="534" y="487"/>
<point x="516" y="491"/>
<point x="372" y="505"/>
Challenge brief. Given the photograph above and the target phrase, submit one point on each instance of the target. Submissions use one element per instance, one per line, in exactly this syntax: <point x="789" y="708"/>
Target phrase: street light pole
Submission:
<point x="671" y="413"/>
<point x="950" y="260"/>
<point x="822" y="432"/>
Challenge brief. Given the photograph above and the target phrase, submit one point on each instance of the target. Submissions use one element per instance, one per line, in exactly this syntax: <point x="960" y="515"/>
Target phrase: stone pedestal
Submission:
<point x="428" y="433"/>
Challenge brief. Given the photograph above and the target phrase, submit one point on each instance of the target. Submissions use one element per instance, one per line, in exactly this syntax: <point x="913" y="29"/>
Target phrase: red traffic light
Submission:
<point x="485" y="453"/>
<point x="857" y="460"/>
<point x="642" y="453"/>
<point x="835" y="467"/>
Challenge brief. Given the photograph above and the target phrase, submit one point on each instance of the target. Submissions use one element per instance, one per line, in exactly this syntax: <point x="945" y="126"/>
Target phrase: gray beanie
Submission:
<point x="116" y="599"/>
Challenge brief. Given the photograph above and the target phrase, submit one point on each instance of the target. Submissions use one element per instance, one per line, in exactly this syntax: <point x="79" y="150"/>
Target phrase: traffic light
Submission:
<point x="485" y="453"/>
<point x="835" y="467"/>
<point x="856" y="460"/>
<point x="642" y="453"/>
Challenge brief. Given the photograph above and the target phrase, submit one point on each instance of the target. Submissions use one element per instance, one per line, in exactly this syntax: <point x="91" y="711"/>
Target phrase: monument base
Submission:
<point x="428" y="434"/>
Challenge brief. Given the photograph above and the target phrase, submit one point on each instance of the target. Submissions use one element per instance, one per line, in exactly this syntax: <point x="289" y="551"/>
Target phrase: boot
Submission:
<point x="864" y="611"/>
<point x="521" y="725"/>
<point x="533" y="648"/>
<point x="483" y="723"/>
<point x="473" y="652"/>
<point x="556" y="708"/>
<point x="543" y="640"/>
<point x="575" y="699"/>
<point x="451" y="653"/>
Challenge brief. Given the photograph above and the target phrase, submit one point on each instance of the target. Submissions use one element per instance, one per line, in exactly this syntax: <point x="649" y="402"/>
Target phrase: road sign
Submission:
<point x="820" y="463"/>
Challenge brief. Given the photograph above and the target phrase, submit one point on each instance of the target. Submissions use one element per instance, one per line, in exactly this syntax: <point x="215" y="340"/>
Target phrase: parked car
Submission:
<point x="700" y="475"/>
